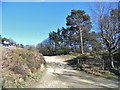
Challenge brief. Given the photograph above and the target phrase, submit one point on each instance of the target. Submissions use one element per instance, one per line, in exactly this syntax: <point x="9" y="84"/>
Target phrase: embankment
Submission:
<point x="20" y="67"/>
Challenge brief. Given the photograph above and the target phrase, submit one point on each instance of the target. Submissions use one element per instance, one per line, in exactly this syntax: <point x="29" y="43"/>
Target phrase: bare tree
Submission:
<point x="106" y="20"/>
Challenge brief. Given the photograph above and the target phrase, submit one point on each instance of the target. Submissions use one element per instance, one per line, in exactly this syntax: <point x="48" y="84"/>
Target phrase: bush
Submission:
<point x="19" y="69"/>
<point x="74" y="54"/>
<point x="62" y="51"/>
<point x="31" y="58"/>
<point x="84" y="56"/>
<point x="105" y="56"/>
<point x="116" y="58"/>
<point x="20" y="63"/>
<point x="49" y="51"/>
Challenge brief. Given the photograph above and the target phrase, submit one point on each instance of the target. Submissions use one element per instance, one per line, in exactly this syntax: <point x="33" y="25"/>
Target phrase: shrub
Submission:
<point x="49" y="51"/>
<point x="21" y="63"/>
<point x="74" y="54"/>
<point x="19" y="69"/>
<point x="105" y="56"/>
<point x="116" y="58"/>
<point x="84" y="56"/>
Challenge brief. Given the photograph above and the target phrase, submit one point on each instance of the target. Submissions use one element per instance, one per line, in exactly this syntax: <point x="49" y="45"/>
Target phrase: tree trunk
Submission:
<point x="103" y="64"/>
<point x="78" y="63"/>
<point x="75" y="46"/>
<point x="111" y="59"/>
<point x="112" y="63"/>
<point x="81" y="41"/>
<point x="55" y="45"/>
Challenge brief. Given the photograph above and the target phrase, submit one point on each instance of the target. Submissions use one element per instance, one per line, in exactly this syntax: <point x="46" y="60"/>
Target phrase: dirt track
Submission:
<point x="61" y="75"/>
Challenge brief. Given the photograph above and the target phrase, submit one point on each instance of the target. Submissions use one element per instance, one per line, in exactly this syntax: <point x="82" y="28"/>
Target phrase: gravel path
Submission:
<point x="60" y="75"/>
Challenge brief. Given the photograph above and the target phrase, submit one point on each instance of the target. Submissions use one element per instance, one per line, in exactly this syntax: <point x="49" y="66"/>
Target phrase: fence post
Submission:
<point x="78" y="62"/>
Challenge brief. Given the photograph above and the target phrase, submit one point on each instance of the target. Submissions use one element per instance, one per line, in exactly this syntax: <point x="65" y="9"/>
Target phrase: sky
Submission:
<point x="31" y="22"/>
<point x="60" y="0"/>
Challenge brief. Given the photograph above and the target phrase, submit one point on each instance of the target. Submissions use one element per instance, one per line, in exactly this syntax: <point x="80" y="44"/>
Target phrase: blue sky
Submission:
<point x="31" y="22"/>
<point x="60" y="0"/>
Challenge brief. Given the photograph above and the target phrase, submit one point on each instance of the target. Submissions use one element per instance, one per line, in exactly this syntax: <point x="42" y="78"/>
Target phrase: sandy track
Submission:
<point x="60" y="75"/>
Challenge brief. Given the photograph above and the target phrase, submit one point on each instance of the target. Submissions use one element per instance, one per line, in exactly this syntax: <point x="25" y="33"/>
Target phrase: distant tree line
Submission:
<point x="9" y="42"/>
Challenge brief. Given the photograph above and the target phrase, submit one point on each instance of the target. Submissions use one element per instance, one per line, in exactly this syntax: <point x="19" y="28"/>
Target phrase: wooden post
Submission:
<point x="78" y="62"/>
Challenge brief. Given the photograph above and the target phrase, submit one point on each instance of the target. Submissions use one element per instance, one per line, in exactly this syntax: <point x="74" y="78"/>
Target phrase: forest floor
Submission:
<point x="60" y="75"/>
